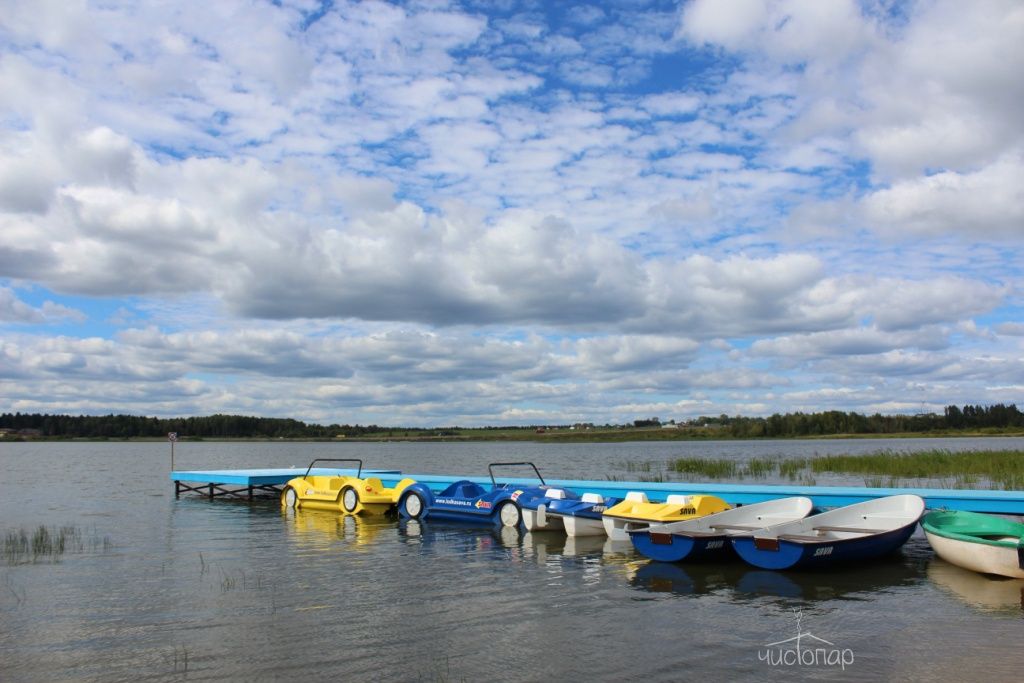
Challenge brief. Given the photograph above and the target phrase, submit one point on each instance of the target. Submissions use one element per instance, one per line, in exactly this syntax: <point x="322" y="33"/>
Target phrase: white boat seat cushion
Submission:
<point x="592" y="498"/>
<point x="557" y="494"/>
<point x="637" y="497"/>
<point x="678" y="499"/>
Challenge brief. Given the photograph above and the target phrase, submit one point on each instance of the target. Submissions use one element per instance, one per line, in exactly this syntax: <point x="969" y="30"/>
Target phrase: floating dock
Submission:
<point x="245" y="483"/>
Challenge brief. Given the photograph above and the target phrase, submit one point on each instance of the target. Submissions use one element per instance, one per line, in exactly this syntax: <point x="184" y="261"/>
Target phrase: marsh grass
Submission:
<point x="999" y="469"/>
<point x="715" y="469"/>
<point x="48" y="544"/>
<point x="641" y="466"/>
<point x="760" y="468"/>
<point x="964" y="469"/>
<point x="647" y="470"/>
<point x="793" y="469"/>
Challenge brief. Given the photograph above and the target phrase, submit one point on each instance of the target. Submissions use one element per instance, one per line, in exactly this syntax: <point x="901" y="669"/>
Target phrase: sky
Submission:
<point x="509" y="212"/>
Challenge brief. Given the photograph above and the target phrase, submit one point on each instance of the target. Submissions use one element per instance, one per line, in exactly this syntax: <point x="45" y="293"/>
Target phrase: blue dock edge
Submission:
<point x="215" y="483"/>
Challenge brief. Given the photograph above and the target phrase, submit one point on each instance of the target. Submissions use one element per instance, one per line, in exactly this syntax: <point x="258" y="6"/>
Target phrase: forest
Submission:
<point x="969" y="418"/>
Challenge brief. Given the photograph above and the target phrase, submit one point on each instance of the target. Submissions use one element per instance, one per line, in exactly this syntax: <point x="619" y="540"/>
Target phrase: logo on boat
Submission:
<point x="599" y="508"/>
<point x="483" y="504"/>
<point x="454" y="501"/>
<point x="687" y="511"/>
<point x="823" y="552"/>
<point x="515" y="496"/>
<point x="714" y="545"/>
<point x="805" y="649"/>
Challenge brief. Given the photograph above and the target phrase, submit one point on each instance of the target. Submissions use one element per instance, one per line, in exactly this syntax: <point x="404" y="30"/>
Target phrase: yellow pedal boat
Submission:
<point x="340" y="493"/>
<point x="636" y="512"/>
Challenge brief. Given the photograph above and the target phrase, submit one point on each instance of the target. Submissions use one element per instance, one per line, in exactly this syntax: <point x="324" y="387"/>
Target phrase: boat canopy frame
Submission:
<point x="359" y="472"/>
<point x="494" y="483"/>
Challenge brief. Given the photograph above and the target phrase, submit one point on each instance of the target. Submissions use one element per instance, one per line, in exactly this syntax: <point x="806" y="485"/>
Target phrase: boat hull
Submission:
<point x="539" y="520"/>
<point x="583" y="526"/>
<point x="678" y="547"/>
<point x="979" y="557"/>
<point x="987" y="544"/>
<point x="779" y="553"/>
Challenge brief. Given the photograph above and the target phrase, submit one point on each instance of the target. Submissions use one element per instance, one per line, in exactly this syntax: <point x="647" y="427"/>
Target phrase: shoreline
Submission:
<point x="554" y="436"/>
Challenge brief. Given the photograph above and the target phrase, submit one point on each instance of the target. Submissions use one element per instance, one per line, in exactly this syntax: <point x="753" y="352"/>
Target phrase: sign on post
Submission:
<point x="172" y="437"/>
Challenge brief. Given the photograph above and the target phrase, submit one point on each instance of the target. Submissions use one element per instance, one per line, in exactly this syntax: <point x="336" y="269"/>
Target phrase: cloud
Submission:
<point x="14" y="310"/>
<point x="435" y="212"/>
<point x="986" y="204"/>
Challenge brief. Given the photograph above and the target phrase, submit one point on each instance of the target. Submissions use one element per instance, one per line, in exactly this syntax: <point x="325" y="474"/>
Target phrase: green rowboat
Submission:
<point x="983" y="543"/>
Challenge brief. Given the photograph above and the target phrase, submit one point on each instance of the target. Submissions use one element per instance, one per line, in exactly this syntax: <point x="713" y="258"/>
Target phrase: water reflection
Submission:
<point x="318" y="529"/>
<point x="984" y="593"/>
<point x="693" y="579"/>
<point x="744" y="583"/>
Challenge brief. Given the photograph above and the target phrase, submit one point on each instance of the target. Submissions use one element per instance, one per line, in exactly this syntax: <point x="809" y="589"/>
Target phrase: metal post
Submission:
<point x="172" y="437"/>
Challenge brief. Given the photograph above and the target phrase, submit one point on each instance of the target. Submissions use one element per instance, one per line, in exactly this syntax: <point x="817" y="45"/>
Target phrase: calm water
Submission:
<point x="158" y="588"/>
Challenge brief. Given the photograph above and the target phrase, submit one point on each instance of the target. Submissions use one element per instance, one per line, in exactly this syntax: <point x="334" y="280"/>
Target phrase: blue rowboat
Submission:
<point x="848" y="534"/>
<point x="706" y="538"/>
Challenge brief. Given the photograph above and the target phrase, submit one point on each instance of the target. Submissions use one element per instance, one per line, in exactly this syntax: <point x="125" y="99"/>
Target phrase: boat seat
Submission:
<point x="637" y="497"/>
<point x="374" y="483"/>
<point x="850" y="529"/>
<point x="678" y="499"/>
<point x="466" y="489"/>
<point x="802" y="537"/>
<point x="592" y="498"/>
<point x="556" y="494"/>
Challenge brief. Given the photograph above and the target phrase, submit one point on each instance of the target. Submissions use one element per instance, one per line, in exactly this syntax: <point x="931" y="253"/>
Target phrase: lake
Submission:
<point x="153" y="587"/>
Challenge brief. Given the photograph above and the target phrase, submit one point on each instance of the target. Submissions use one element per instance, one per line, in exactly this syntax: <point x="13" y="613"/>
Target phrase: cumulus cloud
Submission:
<point x="986" y="204"/>
<point x="13" y="309"/>
<point x="457" y="212"/>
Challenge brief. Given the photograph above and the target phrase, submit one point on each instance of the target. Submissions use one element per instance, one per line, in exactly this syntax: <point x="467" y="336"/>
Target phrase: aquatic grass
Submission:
<point x="965" y="469"/>
<point x="792" y="469"/>
<point x="49" y="544"/>
<point x="641" y="466"/>
<point x="179" y="658"/>
<point x="882" y="482"/>
<point x="715" y="469"/>
<point x="760" y="467"/>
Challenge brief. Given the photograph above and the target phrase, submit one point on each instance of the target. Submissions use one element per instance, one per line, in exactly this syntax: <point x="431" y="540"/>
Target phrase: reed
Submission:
<point x="966" y="469"/>
<point x="49" y="544"/>
<point x="715" y="469"/>
<point x="792" y="469"/>
<point x="642" y="466"/>
<point x="760" y="468"/>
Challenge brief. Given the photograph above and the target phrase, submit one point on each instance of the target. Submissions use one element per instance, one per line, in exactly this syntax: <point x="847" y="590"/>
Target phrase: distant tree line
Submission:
<point x="212" y="426"/>
<point x="969" y="417"/>
<point x="838" y="422"/>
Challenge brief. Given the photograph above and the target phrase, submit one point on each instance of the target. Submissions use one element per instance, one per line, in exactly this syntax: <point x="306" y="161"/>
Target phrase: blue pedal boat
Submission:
<point x="583" y="515"/>
<point x="707" y="538"/>
<point x="845" y="535"/>
<point x="468" y="501"/>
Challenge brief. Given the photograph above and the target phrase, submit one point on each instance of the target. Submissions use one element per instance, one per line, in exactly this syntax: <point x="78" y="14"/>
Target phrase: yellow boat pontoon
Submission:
<point x="341" y="493"/>
<point x="636" y="512"/>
